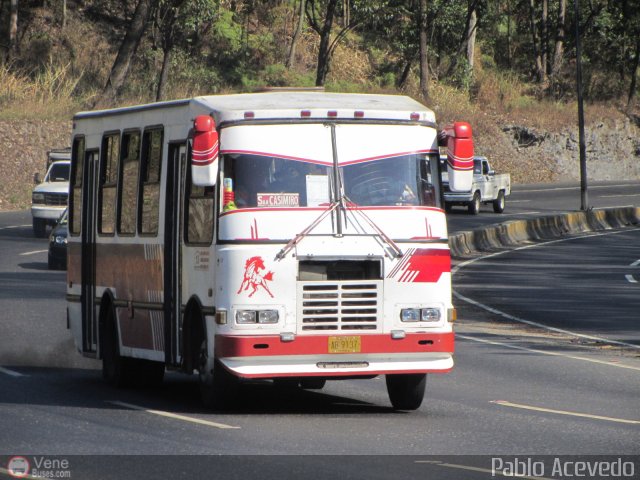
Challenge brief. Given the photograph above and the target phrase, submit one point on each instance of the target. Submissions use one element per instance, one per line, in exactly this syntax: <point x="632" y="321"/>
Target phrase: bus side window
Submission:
<point x="110" y="153"/>
<point x="128" y="192"/>
<point x="75" y="188"/>
<point x="199" y="205"/>
<point x="150" y="169"/>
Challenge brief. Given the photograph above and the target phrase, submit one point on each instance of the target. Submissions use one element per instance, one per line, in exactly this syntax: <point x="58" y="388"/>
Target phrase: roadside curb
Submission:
<point x="515" y="232"/>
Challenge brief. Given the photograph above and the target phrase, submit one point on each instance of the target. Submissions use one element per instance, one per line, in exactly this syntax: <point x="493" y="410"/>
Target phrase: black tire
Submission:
<point x="51" y="263"/>
<point x="114" y="369"/>
<point x="499" y="203"/>
<point x="406" y="391"/>
<point x="39" y="227"/>
<point x="313" y="383"/>
<point x="121" y="371"/>
<point x="218" y="387"/>
<point x="474" y="206"/>
<point x="144" y="373"/>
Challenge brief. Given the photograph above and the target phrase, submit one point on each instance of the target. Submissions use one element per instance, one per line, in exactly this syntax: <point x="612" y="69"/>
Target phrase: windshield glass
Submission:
<point x="403" y="180"/>
<point x="254" y="181"/>
<point x="267" y="181"/>
<point x="59" y="172"/>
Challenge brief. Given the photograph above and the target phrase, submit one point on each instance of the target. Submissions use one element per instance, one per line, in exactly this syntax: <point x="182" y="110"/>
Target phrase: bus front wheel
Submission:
<point x="218" y="387"/>
<point x="406" y="391"/>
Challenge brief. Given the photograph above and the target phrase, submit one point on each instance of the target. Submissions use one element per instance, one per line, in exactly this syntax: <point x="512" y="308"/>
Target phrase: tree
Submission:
<point x="558" y="52"/>
<point x="128" y="47"/>
<point x="468" y="35"/>
<point x="13" y="27"/>
<point x="296" y="35"/>
<point x="178" y="20"/>
<point x="327" y="10"/>
<point x="424" y="58"/>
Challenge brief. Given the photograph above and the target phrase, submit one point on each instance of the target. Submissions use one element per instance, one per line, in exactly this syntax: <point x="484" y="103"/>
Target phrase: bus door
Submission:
<point x="172" y="246"/>
<point x="88" y="263"/>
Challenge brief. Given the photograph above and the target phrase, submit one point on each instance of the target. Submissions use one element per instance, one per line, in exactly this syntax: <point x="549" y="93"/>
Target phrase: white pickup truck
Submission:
<point x="49" y="197"/>
<point x="487" y="187"/>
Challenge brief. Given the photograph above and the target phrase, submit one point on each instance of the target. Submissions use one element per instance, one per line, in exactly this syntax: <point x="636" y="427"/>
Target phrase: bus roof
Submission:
<point x="292" y="104"/>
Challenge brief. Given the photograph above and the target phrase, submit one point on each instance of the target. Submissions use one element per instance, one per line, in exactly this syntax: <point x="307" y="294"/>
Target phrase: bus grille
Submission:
<point x="59" y="199"/>
<point x="339" y="306"/>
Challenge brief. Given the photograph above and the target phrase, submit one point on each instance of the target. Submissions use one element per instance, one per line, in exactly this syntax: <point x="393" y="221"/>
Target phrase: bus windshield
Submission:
<point x="252" y="181"/>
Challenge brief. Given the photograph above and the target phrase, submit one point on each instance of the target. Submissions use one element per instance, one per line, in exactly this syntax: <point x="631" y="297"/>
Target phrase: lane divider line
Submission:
<point x="494" y="473"/>
<point x="551" y="354"/>
<point x="513" y="318"/>
<point x="12" y="373"/>
<point x="14" y="226"/>
<point x="172" y="415"/>
<point x="505" y="403"/>
<point x="33" y="252"/>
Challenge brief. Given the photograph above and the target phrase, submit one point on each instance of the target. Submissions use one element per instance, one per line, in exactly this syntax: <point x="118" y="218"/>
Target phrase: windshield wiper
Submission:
<point x="295" y="240"/>
<point x="385" y="238"/>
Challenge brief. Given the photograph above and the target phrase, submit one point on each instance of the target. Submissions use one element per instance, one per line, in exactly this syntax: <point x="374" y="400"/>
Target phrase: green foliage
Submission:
<point x="223" y="45"/>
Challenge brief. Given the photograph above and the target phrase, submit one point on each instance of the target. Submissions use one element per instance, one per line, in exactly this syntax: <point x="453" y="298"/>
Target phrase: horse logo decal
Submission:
<point x="255" y="276"/>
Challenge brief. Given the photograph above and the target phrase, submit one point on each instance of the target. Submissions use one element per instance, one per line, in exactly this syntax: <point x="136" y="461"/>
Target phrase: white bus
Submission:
<point x="284" y="235"/>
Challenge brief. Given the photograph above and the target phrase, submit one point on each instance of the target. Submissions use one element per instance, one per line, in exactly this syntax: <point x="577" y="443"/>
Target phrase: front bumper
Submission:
<point x="458" y="197"/>
<point x="268" y="356"/>
<point x="47" y="212"/>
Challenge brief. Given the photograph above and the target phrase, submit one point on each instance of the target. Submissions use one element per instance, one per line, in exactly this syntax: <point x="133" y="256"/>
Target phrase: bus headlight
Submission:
<point x="268" y="316"/>
<point x="247" y="317"/>
<point x="410" y="314"/>
<point x="244" y="317"/>
<point x="430" y="314"/>
<point x="427" y="314"/>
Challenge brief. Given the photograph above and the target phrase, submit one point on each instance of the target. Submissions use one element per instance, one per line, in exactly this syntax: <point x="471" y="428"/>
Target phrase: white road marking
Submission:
<point x="520" y="201"/>
<point x="12" y="373"/>
<point x="172" y="415"/>
<point x="545" y="352"/>
<point x="515" y="214"/>
<point x="494" y="473"/>
<point x="32" y="252"/>
<point x="504" y="403"/>
<point x="557" y="189"/>
<point x="630" y="279"/>
<point x="620" y="195"/>
<point x="9" y="227"/>
<point x="529" y="322"/>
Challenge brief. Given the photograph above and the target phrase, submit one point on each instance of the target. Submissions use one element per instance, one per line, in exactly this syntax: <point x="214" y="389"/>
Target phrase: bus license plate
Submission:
<point x="344" y="344"/>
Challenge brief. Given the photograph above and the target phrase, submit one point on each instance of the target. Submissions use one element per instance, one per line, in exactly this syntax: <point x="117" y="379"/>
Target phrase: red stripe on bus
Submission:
<point x="269" y="345"/>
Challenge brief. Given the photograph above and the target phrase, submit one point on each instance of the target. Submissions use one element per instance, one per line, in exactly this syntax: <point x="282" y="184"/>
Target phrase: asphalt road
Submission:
<point x="516" y="389"/>
<point x="530" y="201"/>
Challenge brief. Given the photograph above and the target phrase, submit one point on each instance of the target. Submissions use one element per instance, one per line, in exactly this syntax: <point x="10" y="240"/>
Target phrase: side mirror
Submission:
<point x="37" y="178"/>
<point x="458" y="139"/>
<point x="204" y="154"/>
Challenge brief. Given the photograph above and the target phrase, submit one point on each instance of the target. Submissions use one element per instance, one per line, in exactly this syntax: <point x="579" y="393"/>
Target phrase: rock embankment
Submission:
<point x="23" y="152"/>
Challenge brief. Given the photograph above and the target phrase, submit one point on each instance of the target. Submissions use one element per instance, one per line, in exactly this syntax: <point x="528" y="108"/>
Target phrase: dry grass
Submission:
<point x="47" y="94"/>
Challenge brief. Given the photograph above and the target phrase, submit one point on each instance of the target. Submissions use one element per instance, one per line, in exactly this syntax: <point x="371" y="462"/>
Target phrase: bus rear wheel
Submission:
<point x="113" y="364"/>
<point x="121" y="371"/>
<point x="406" y="391"/>
<point x="218" y="387"/>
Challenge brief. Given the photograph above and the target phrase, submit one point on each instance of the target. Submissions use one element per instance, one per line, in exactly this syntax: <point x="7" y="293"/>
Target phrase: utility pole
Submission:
<point x="584" y="204"/>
